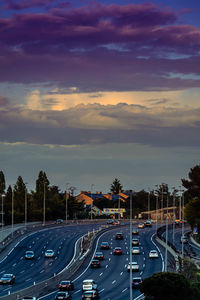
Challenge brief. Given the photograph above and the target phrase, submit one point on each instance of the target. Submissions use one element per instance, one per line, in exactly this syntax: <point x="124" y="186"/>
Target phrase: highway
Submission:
<point x="112" y="277"/>
<point x="27" y="272"/>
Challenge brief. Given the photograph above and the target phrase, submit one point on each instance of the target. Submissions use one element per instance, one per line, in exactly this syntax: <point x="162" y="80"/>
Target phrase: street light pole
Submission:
<point x="2" y="217"/>
<point x="161" y="217"/>
<point x="173" y="225"/>
<point x="166" y="239"/>
<point x="44" y="204"/>
<point x="148" y="205"/>
<point x="131" y="272"/>
<point x="25" y="206"/>
<point x="66" y="212"/>
<point x="156" y="208"/>
<point x="92" y="200"/>
<point x="12" y="210"/>
<point x="183" y="219"/>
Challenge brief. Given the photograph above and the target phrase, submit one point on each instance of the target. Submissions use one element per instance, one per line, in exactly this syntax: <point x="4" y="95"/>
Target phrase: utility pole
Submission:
<point x="173" y="225"/>
<point x="66" y="195"/>
<point x="156" y="207"/>
<point x="12" y="210"/>
<point x="44" y="204"/>
<point x="166" y="239"/>
<point x="183" y="220"/>
<point x="161" y="219"/>
<point x="91" y="201"/>
<point x="149" y="204"/>
<point x="25" y="206"/>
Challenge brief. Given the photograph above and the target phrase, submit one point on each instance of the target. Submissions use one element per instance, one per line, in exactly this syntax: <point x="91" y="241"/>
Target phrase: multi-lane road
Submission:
<point x="112" y="277"/>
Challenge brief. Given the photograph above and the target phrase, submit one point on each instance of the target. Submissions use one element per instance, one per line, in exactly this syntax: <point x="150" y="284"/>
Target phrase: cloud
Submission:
<point x="112" y="47"/>
<point x="95" y="123"/>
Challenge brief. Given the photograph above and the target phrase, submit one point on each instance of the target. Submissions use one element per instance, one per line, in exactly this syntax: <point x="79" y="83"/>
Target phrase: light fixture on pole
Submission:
<point x="130" y="250"/>
<point x="2" y="215"/>
<point x="156" y="207"/>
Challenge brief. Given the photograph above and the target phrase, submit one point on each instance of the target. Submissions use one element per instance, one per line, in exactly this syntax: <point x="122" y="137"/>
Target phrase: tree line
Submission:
<point x="56" y="199"/>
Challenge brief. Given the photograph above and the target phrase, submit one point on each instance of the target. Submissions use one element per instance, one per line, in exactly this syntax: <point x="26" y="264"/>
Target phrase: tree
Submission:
<point x="168" y="286"/>
<point x="192" y="213"/>
<point x="19" y="199"/>
<point x="193" y="185"/>
<point x="2" y="183"/>
<point x="116" y="186"/>
<point x="42" y="186"/>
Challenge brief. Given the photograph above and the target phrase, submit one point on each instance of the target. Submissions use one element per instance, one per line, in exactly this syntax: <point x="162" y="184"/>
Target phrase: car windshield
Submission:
<point x="61" y="294"/>
<point x="7" y="276"/>
<point x="136" y="279"/>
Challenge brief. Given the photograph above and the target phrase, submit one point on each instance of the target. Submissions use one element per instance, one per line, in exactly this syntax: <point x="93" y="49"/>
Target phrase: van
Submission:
<point x="89" y="284"/>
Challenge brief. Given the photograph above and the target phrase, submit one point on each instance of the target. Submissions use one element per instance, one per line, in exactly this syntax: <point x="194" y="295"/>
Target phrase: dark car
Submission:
<point x="7" y="279"/>
<point x="105" y="245"/>
<point x="135" y="242"/>
<point x="109" y="222"/>
<point x="135" y="231"/>
<point x="136" y="282"/>
<point x="148" y="224"/>
<point x="29" y="255"/>
<point x="99" y="256"/>
<point x="95" y="263"/>
<point x="66" y="285"/>
<point x="63" y="296"/>
<point x="59" y="221"/>
<point x="117" y="251"/>
<point x="119" y="236"/>
<point x="90" y="295"/>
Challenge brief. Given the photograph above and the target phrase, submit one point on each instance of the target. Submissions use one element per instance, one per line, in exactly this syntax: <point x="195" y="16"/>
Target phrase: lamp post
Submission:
<point x="156" y="208"/>
<point x="149" y="205"/>
<point x="131" y="225"/>
<point x="66" y="203"/>
<point x="166" y="239"/>
<point x="92" y="200"/>
<point x="12" y="210"/>
<point x="183" y="219"/>
<point x="2" y="213"/>
<point x="25" y="206"/>
<point x="161" y="216"/>
<point x="173" y="225"/>
<point x="44" y="203"/>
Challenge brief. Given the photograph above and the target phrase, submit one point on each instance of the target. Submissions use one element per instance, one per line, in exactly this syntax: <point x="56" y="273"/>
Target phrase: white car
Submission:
<point x="135" y="266"/>
<point x="49" y="253"/>
<point x="153" y="254"/>
<point x="136" y="250"/>
<point x="89" y="285"/>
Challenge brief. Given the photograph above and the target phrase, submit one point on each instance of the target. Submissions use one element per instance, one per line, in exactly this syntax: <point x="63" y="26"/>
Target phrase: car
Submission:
<point x="29" y="298"/>
<point x="99" y="256"/>
<point x="184" y="239"/>
<point x="135" y="242"/>
<point x="135" y="266"/>
<point x="105" y="245"/>
<point x="63" y="296"/>
<point x="87" y="295"/>
<point x="109" y="222"/>
<point x="29" y="255"/>
<point x="59" y="221"/>
<point x="119" y="236"/>
<point x="116" y="223"/>
<point x="66" y="285"/>
<point x="95" y="263"/>
<point x="135" y="250"/>
<point x="148" y="223"/>
<point x="49" y="253"/>
<point x="7" y="279"/>
<point x="153" y="254"/>
<point x="136" y="282"/>
<point x="141" y="225"/>
<point x="117" y="251"/>
<point x="89" y="285"/>
<point x="135" y="231"/>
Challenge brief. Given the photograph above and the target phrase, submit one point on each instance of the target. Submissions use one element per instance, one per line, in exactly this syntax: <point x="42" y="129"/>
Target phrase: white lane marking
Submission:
<point x="121" y="273"/>
<point x="75" y="292"/>
<point x="42" y="271"/>
<point x="101" y="290"/>
<point x="50" y="264"/>
<point x="106" y="266"/>
<point x="109" y="258"/>
<point x="22" y="272"/>
<point x="100" y="274"/>
<point x="32" y="264"/>
<point x="124" y="290"/>
<point x="21" y="258"/>
<point x="28" y="279"/>
<point x="14" y="265"/>
<point x="113" y="281"/>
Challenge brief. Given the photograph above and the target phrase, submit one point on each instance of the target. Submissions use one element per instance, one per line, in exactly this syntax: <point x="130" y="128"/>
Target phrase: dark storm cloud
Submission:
<point x="100" y="47"/>
<point x="102" y="124"/>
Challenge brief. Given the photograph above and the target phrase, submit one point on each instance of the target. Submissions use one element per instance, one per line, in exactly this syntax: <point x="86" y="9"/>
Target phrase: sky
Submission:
<point x="91" y="91"/>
